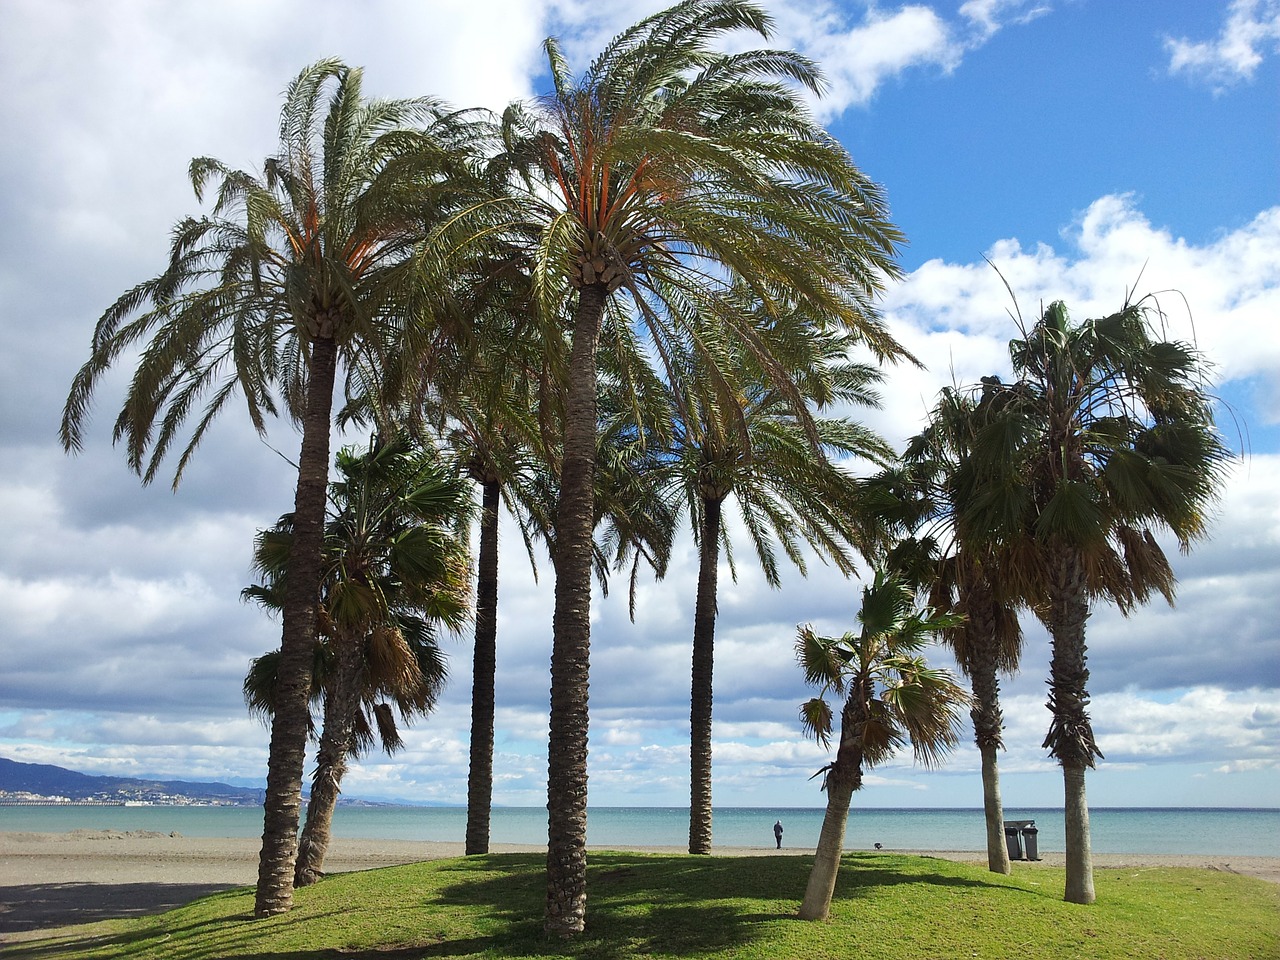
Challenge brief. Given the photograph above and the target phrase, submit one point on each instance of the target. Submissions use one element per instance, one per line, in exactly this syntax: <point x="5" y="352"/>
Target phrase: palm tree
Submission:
<point x="972" y="579"/>
<point x="393" y="563"/>
<point x="484" y="409"/>
<point x="891" y="696"/>
<point x="295" y="273"/>
<point x="663" y="166"/>
<point x="1106" y="434"/>
<point x="403" y="674"/>
<point x="747" y="446"/>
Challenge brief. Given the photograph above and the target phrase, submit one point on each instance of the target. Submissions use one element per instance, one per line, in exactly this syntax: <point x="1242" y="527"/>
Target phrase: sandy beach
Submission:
<point x="49" y="880"/>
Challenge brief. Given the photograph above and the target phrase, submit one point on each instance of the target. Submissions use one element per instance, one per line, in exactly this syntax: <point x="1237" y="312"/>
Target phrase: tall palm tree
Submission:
<point x="295" y="273"/>
<point x="891" y="696"/>
<point x="484" y="408"/>
<point x="748" y="447"/>
<point x="1106" y="434"/>
<point x="663" y="166"/>
<point x="393" y="564"/>
<point x="973" y="579"/>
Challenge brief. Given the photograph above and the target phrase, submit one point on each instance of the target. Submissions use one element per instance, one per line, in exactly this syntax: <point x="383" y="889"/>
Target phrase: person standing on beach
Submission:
<point x="777" y="833"/>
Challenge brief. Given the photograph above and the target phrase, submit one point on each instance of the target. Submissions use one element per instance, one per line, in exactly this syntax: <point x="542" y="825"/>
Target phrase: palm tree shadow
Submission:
<point x="678" y="906"/>
<point x="637" y="903"/>
<point x="862" y="873"/>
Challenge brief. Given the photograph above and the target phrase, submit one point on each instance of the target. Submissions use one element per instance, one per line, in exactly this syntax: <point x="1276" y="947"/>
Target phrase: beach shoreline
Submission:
<point x="48" y="880"/>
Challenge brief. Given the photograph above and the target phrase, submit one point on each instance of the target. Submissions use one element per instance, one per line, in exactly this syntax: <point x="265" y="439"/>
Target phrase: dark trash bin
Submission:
<point x="1013" y="840"/>
<point x="1029" y="841"/>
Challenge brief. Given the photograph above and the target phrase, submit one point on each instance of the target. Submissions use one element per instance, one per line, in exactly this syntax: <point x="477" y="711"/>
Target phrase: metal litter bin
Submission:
<point x="1029" y="841"/>
<point x="1013" y="839"/>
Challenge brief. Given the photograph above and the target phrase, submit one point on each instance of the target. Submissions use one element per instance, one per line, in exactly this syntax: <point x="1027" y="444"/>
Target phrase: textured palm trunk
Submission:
<point x="283" y="799"/>
<point x="700" y="698"/>
<point x="843" y="780"/>
<point x="1070" y="738"/>
<point x="566" y="905"/>
<point x="988" y="721"/>
<point x="483" y="672"/>
<point x="336" y="740"/>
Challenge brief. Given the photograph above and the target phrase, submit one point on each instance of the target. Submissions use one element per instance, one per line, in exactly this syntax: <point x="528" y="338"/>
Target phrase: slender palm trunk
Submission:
<point x="993" y="812"/>
<point x="1070" y="738"/>
<point x="700" y="698"/>
<point x="283" y="799"/>
<point x="336" y="740"/>
<point x="988" y="721"/>
<point x="843" y="780"/>
<point x="483" y="672"/>
<point x="566" y="906"/>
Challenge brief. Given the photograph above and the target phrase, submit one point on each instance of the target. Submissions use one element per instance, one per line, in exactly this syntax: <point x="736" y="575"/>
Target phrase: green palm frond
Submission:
<point x="892" y="696"/>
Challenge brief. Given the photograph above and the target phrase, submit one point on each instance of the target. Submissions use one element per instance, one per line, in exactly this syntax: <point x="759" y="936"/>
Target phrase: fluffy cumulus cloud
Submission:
<point x="1222" y="296"/>
<point x="1250" y="33"/>
<point x="863" y="46"/>
<point x="860" y="46"/>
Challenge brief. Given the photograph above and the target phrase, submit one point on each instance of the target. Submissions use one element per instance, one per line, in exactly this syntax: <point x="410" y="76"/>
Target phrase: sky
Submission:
<point x="1088" y="150"/>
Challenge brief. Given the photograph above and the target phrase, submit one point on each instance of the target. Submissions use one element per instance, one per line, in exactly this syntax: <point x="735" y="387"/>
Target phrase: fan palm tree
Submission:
<point x="403" y="675"/>
<point x="664" y="166"/>
<point x="295" y="273"/>
<point x="749" y="448"/>
<point x="891" y="696"/>
<point x="1106" y="434"/>
<point x="393" y="563"/>
<point x="972" y="579"/>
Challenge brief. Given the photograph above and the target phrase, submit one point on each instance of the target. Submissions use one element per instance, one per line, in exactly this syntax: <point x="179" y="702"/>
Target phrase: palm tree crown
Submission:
<point x="891" y="697"/>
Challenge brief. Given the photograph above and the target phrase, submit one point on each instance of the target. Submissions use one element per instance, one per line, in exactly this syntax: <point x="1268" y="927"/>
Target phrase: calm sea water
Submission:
<point x="1222" y="832"/>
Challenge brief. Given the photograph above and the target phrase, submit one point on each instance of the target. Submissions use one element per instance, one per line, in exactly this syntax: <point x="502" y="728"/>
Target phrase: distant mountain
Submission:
<point x="45" y="780"/>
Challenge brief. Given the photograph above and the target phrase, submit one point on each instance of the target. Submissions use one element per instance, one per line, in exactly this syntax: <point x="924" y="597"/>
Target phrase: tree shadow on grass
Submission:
<point x="640" y="904"/>
<point x="863" y="873"/>
<point x="637" y="904"/>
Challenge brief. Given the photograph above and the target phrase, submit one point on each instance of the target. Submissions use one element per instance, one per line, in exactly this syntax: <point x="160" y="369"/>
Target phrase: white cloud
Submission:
<point x="860" y="59"/>
<point x="1203" y="724"/>
<point x="1223" y="295"/>
<point x="988" y="16"/>
<point x="1250" y="33"/>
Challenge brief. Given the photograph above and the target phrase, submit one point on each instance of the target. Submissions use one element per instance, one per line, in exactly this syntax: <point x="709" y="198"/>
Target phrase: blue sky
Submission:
<point x="1083" y="146"/>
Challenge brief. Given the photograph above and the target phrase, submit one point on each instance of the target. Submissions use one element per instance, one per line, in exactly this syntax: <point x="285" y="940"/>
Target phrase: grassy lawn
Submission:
<point x="887" y="906"/>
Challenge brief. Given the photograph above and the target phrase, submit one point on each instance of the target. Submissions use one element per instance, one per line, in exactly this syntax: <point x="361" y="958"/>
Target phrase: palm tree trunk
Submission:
<point x="283" y="799"/>
<point x="700" y="698"/>
<point x="1070" y="738"/>
<point x="988" y="721"/>
<point x="336" y="740"/>
<point x="843" y="780"/>
<point x="993" y="811"/>
<point x="1079" y="854"/>
<point x="483" y="671"/>
<point x="826" y="861"/>
<point x="566" y="905"/>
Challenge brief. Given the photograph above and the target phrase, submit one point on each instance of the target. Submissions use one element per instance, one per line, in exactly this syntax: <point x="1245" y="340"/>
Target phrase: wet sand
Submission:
<point x="49" y="880"/>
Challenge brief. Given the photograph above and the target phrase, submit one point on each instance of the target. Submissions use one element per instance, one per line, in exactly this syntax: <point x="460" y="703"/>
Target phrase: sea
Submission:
<point x="1145" y="830"/>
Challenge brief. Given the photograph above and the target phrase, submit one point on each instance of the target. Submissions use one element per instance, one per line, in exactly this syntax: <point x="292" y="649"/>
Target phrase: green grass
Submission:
<point x="887" y="906"/>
